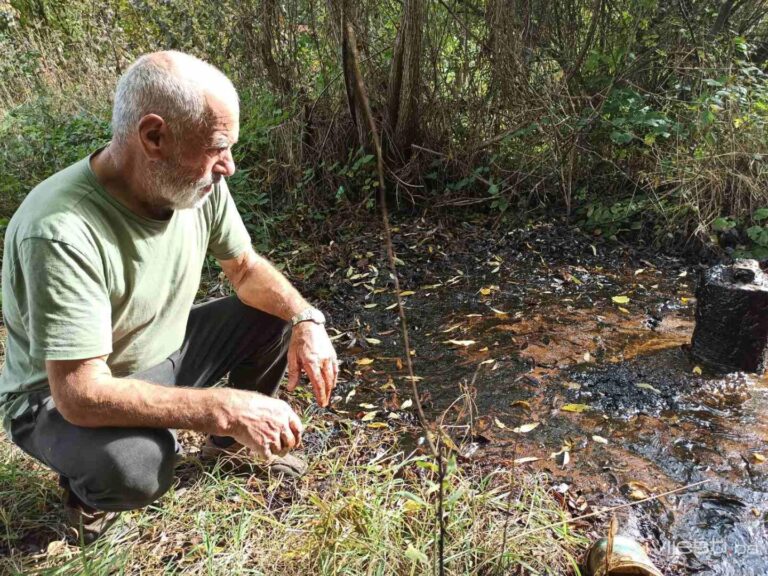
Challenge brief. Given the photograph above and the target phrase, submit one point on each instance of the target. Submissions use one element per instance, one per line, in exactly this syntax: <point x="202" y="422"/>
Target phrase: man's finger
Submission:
<point x="294" y="372"/>
<point x="316" y="378"/>
<point x="328" y="377"/>
<point x="294" y="423"/>
<point x="287" y="440"/>
<point x="335" y="372"/>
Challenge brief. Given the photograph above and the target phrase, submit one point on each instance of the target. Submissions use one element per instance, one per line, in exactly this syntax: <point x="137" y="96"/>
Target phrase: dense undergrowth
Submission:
<point x="636" y="119"/>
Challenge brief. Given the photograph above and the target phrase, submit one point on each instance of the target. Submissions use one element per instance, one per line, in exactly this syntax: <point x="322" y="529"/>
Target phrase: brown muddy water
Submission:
<point x="588" y="342"/>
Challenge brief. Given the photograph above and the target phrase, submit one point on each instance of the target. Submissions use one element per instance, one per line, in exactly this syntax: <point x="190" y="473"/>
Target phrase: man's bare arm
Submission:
<point x="260" y="285"/>
<point x="86" y="394"/>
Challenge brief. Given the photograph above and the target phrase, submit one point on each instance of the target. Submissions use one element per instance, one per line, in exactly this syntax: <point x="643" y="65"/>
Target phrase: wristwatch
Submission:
<point x="310" y="314"/>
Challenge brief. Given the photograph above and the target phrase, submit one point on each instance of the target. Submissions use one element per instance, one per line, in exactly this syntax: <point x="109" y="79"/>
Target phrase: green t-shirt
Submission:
<point x="83" y="276"/>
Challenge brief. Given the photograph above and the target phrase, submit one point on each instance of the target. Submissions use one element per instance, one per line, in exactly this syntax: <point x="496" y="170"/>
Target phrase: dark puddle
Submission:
<point x="535" y="324"/>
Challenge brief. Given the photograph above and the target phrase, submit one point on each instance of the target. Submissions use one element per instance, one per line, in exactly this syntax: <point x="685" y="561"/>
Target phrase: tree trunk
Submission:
<point x="405" y="79"/>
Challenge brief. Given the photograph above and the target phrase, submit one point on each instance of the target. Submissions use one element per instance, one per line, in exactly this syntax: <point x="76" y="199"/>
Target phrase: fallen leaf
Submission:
<point x="526" y="459"/>
<point x="521" y="404"/>
<point x="620" y="299"/>
<point x="407" y="293"/>
<point x="351" y="393"/>
<point x="407" y="404"/>
<point x="757" y="457"/>
<point x="369" y="306"/>
<point x="637" y="490"/>
<point x="364" y="361"/>
<point x="599" y="439"/>
<point x="697" y="370"/>
<point x="639" y="271"/>
<point x="375" y="425"/>
<point x="374" y="341"/>
<point x="578" y="408"/>
<point x="526" y="427"/>
<point x="56" y="548"/>
<point x="368" y="416"/>
<point x="415" y="555"/>
<point x="367" y="406"/>
<point x="499" y="423"/>
<point x="391" y="306"/>
<point x="587" y="357"/>
<point x="683" y="274"/>
<point x="460" y="342"/>
<point x="624" y="310"/>
<point x="648" y="387"/>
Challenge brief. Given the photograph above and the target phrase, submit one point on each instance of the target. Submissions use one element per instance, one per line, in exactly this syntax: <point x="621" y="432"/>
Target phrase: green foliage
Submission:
<point x="36" y="141"/>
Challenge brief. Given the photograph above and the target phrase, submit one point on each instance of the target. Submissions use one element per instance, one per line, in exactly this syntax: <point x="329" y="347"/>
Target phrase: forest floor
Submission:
<point x="557" y="365"/>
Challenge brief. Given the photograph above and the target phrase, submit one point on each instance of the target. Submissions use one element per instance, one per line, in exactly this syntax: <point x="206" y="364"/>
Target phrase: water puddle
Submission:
<point x="583" y="351"/>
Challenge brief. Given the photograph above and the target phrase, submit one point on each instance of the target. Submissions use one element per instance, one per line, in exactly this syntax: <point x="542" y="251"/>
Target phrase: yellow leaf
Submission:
<point x="526" y="427"/>
<point x="391" y="306"/>
<point x="599" y="439"/>
<point x="759" y="458"/>
<point x="375" y="425"/>
<point x="499" y="423"/>
<point x="578" y="408"/>
<point x="624" y="310"/>
<point x="364" y="361"/>
<point x="407" y="293"/>
<point x="620" y="299"/>
<point x="648" y="387"/>
<point x="521" y="404"/>
<point x="526" y="459"/>
<point x="485" y="291"/>
<point x="368" y="416"/>
<point x="460" y="342"/>
<point x="697" y="370"/>
<point x="411" y="506"/>
<point x="373" y="341"/>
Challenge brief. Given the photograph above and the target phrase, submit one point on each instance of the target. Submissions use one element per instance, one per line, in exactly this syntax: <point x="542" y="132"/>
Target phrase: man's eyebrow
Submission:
<point x="222" y="141"/>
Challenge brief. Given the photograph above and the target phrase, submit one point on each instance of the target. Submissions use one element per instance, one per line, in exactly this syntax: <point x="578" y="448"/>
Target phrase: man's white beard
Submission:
<point x="167" y="186"/>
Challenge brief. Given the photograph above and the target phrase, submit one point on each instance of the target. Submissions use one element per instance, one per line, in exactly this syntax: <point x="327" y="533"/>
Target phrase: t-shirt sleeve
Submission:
<point x="228" y="238"/>
<point x="70" y="315"/>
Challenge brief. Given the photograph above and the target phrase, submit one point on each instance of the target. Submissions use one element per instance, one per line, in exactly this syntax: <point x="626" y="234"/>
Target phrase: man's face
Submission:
<point x="197" y="162"/>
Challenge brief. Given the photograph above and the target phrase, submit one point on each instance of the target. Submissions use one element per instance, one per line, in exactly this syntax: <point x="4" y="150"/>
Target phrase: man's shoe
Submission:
<point x="86" y="523"/>
<point x="238" y="458"/>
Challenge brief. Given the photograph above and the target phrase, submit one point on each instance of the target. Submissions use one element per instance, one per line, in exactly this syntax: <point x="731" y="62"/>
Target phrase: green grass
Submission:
<point x="365" y="507"/>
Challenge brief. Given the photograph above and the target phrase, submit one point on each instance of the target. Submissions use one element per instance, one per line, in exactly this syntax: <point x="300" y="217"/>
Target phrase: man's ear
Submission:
<point x="154" y="137"/>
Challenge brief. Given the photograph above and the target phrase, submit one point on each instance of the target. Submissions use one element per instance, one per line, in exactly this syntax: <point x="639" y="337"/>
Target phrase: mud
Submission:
<point x="518" y="327"/>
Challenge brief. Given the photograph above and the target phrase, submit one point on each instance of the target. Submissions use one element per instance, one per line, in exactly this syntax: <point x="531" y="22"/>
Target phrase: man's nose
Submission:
<point x="225" y="165"/>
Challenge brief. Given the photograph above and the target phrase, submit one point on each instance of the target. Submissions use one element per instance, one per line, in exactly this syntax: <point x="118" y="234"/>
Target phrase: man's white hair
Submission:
<point x="172" y="85"/>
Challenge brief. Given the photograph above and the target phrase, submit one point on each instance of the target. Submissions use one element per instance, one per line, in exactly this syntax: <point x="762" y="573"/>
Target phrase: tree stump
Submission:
<point x="731" y="331"/>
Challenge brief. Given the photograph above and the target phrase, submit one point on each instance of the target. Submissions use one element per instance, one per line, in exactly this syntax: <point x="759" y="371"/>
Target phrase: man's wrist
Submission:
<point x="309" y="314"/>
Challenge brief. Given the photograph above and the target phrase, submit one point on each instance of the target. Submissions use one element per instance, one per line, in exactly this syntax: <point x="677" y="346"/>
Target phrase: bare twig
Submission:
<point x="362" y="96"/>
<point x="611" y="509"/>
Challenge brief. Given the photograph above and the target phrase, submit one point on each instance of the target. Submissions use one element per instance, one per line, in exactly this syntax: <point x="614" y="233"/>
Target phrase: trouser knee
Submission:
<point x="129" y="472"/>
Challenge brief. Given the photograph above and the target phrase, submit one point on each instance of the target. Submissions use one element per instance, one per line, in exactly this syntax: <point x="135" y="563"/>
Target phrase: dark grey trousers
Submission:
<point x="126" y="468"/>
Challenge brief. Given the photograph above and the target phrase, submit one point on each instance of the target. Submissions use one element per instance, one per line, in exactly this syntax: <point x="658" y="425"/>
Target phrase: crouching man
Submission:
<point x="106" y="355"/>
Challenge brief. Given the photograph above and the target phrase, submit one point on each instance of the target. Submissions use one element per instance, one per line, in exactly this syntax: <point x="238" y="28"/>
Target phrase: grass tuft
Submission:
<point x="365" y="507"/>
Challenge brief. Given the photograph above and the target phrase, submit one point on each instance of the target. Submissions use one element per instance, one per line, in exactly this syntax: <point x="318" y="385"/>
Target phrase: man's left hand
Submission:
<point x="311" y="350"/>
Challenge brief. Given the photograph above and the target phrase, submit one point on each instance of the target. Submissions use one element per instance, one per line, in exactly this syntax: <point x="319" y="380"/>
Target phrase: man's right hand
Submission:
<point x="266" y="425"/>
